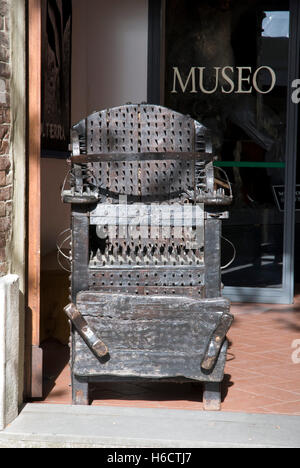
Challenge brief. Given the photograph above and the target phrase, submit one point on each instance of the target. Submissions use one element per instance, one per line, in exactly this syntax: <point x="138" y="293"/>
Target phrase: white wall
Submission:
<point x="55" y="214"/>
<point x="109" y="54"/>
<point x="109" y="68"/>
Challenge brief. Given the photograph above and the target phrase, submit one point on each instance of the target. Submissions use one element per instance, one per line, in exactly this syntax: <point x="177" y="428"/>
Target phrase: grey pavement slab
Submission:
<point x="61" y="426"/>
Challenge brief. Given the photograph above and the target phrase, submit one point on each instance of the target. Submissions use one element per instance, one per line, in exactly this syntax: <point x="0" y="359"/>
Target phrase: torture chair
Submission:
<point x="147" y="208"/>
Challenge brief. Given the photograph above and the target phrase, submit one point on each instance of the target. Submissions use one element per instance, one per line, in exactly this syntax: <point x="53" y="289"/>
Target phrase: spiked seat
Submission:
<point x="146" y="227"/>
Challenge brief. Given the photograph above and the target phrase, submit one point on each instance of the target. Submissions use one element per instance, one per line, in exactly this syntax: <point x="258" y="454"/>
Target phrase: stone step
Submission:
<point x="62" y="426"/>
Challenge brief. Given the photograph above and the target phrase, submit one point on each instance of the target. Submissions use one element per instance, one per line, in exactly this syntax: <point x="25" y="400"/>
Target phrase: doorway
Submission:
<point x="230" y="65"/>
<point x="88" y="97"/>
<point x="117" y="75"/>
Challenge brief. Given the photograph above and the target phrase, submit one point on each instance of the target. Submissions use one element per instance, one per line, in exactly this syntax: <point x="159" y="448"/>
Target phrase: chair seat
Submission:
<point x="158" y="337"/>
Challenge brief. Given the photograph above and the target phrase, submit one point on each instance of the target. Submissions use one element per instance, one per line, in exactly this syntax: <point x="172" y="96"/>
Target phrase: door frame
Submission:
<point x="33" y="354"/>
<point x="285" y="294"/>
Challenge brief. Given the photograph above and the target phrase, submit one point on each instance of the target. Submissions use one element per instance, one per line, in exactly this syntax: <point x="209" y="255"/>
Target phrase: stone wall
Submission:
<point x="10" y="385"/>
<point x="12" y="205"/>
<point x="5" y="130"/>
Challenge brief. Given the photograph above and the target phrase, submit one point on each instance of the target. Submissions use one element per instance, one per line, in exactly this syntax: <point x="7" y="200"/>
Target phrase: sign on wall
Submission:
<point x="56" y="75"/>
<point x="279" y="194"/>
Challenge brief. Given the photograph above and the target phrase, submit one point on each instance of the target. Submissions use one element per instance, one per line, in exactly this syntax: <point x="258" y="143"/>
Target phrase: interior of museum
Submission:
<point x="109" y="52"/>
<point x="110" y="67"/>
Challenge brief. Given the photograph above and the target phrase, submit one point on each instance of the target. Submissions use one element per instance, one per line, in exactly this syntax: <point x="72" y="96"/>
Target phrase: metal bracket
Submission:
<point x="86" y="332"/>
<point x="216" y="342"/>
<point x="219" y="215"/>
<point x="75" y="146"/>
<point x="70" y="196"/>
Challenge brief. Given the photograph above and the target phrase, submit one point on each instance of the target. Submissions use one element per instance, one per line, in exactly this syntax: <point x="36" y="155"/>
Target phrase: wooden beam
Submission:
<point x="34" y="192"/>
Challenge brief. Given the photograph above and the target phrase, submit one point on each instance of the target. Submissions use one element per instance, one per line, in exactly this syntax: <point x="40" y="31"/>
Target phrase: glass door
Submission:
<point x="231" y="65"/>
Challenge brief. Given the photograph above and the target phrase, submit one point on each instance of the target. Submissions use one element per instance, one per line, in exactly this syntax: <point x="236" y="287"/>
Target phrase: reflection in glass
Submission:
<point x="248" y="124"/>
<point x="276" y="24"/>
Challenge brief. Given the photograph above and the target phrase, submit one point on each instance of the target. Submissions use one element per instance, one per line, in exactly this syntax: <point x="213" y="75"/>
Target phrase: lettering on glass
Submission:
<point x="239" y="80"/>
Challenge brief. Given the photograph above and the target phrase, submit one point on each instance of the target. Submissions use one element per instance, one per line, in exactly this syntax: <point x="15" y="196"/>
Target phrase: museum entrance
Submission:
<point x="255" y="136"/>
<point x="231" y="66"/>
<point x="106" y="69"/>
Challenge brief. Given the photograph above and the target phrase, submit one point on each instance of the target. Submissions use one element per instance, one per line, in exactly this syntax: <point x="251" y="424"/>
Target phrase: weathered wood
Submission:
<point x="145" y="283"/>
<point x="146" y="364"/>
<point x="73" y="198"/>
<point x="125" y="157"/>
<point x="80" y="251"/>
<point x="80" y="391"/>
<point x="126" y="306"/>
<point x="193" y="291"/>
<point x="212" y="257"/>
<point x="159" y="277"/>
<point x="212" y="396"/>
<point x="149" y="335"/>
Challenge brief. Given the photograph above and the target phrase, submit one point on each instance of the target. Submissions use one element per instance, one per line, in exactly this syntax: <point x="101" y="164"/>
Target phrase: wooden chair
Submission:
<point x="146" y="298"/>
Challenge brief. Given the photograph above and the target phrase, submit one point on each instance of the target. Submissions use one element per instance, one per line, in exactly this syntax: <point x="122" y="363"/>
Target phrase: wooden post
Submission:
<point x="212" y="253"/>
<point x="34" y="198"/>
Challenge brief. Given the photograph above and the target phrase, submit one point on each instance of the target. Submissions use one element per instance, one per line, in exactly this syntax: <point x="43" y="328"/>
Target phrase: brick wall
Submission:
<point x="5" y="127"/>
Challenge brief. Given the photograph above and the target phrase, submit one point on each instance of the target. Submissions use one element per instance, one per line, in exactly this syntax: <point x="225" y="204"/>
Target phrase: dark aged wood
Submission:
<point x="163" y="336"/>
<point x="195" y="292"/>
<point x="80" y="250"/>
<point x="87" y="199"/>
<point x="212" y="257"/>
<point x="145" y="283"/>
<point x="80" y="391"/>
<point x="212" y="396"/>
<point x="125" y="157"/>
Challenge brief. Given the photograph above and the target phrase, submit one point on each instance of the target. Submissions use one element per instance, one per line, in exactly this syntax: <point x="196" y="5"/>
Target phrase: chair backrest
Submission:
<point x="150" y="154"/>
<point x="152" y="151"/>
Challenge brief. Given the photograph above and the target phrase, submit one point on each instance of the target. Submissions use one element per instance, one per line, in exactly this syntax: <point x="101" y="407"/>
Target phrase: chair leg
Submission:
<point x="212" y="396"/>
<point x="80" y="392"/>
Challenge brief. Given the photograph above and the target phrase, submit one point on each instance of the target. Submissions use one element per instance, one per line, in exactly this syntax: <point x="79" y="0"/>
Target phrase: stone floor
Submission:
<point x="260" y="375"/>
<point x="66" y="426"/>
